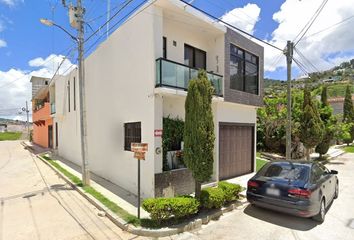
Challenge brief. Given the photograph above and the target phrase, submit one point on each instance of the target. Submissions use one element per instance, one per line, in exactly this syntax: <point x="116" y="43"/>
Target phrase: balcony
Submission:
<point x="176" y="75"/>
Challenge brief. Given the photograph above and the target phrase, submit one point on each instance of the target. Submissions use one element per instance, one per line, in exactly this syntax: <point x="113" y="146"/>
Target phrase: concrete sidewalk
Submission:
<point x="113" y="192"/>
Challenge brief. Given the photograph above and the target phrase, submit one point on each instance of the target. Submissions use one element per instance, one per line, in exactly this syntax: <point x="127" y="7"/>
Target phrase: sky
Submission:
<point x="28" y="48"/>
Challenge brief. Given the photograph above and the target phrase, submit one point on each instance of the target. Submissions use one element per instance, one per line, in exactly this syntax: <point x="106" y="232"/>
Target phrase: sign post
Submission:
<point x="139" y="150"/>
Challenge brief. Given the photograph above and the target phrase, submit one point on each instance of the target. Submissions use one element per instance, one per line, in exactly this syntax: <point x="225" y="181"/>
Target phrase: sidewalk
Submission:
<point x="333" y="152"/>
<point x="123" y="198"/>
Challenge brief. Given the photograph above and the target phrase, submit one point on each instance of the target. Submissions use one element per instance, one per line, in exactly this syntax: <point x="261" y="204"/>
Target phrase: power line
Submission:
<point x="312" y="20"/>
<point x="128" y="14"/>
<point x="110" y="19"/>
<point x="327" y="28"/>
<point x="105" y="14"/>
<point x="231" y="26"/>
<point x="302" y="56"/>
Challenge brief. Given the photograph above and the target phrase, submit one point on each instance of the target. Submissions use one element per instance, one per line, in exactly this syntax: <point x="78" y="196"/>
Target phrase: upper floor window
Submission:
<point x="243" y="70"/>
<point x="164" y="47"/>
<point x="194" y="57"/>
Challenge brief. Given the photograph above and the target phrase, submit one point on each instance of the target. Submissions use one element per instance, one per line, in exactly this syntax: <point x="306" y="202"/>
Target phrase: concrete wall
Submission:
<point x="68" y="122"/>
<point x="174" y="183"/>
<point x="41" y="120"/>
<point x="120" y="77"/>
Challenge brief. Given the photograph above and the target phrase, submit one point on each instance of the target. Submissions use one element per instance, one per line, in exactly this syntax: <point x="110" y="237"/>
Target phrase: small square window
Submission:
<point x="132" y="134"/>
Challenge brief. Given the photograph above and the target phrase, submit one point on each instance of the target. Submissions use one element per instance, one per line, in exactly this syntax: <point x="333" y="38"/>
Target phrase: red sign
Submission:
<point x="158" y="133"/>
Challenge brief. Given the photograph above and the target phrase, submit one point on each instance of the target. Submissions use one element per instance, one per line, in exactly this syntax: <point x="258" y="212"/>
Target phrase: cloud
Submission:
<point x="15" y="86"/>
<point x="2" y="43"/>
<point x="11" y="3"/>
<point x="244" y="18"/>
<point x="321" y="41"/>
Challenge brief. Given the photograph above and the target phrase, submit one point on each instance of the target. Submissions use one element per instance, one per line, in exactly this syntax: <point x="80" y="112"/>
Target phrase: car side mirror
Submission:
<point x="334" y="172"/>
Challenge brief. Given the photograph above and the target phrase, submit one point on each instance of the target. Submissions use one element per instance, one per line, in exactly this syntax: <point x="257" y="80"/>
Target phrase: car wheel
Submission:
<point x="336" y="191"/>
<point x="320" y="217"/>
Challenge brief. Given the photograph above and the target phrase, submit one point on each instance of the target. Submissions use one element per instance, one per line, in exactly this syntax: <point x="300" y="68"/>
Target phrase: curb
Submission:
<point x="145" y="232"/>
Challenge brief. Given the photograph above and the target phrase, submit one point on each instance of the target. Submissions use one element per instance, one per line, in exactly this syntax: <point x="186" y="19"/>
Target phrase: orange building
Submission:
<point x="41" y="116"/>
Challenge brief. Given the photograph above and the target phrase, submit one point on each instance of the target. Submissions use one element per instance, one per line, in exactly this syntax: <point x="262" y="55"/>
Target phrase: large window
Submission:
<point x="243" y="70"/>
<point x="132" y="134"/>
<point x="194" y="57"/>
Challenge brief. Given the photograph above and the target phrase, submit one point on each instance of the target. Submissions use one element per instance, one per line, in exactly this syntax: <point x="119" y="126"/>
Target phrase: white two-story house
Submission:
<point x="140" y="75"/>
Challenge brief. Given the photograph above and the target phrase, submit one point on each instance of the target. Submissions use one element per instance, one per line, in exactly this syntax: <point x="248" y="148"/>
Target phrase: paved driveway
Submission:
<point x="37" y="204"/>
<point x="256" y="223"/>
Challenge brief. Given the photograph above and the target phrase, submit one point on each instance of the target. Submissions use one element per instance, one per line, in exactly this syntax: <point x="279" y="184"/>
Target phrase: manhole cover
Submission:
<point x="351" y="224"/>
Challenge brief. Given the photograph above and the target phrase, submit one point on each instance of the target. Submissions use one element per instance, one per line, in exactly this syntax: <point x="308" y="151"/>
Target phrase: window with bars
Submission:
<point x="132" y="134"/>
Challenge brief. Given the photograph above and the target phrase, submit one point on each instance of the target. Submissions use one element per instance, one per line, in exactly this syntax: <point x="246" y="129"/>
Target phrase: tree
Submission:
<point x="199" y="130"/>
<point x="311" y="126"/>
<point x="329" y="122"/>
<point x="348" y="111"/>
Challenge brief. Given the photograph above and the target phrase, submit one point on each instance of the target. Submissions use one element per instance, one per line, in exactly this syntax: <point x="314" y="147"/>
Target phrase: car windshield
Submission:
<point x="285" y="171"/>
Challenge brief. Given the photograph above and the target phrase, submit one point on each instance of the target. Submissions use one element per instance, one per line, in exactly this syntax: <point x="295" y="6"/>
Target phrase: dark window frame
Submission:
<point x="132" y="133"/>
<point x="164" y="47"/>
<point x="194" y="49"/>
<point x="245" y="61"/>
<point x="69" y="95"/>
<point x="74" y="93"/>
<point x="56" y="135"/>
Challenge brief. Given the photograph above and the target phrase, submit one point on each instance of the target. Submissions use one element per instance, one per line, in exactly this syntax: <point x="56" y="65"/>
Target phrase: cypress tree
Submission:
<point x="199" y="130"/>
<point x="324" y="96"/>
<point x="311" y="126"/>
<point x="348" y="110"/>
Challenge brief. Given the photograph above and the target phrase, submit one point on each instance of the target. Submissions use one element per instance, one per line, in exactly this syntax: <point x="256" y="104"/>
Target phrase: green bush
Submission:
<point x="212" y="197"/>
<point x="165" y="208"/>
<point x="231" y="191"/>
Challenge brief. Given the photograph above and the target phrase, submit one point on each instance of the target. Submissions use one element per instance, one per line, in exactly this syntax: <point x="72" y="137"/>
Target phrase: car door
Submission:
<point x="324" y="181"/>
<point x="331" y="181"/>
<point x="319" y="179"/>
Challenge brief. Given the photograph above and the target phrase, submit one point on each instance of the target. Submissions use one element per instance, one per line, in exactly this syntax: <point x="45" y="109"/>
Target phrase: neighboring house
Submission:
<point x="41" y="113"/>
<point x="139" y="75"/>
<point x="337" y="103"/>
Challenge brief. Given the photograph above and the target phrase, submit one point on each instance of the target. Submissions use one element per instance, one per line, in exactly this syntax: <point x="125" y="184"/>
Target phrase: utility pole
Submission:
<point x="27" y="123"/>
<point x="289" y="58"/>
<point x="76" y="16"/>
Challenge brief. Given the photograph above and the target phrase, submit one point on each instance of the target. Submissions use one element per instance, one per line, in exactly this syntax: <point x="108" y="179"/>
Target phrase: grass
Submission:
<point x="99" y="196"/>
<point x="349" y="149"/>
<point x="10" y="136"/>
<point x="260" y="163"/>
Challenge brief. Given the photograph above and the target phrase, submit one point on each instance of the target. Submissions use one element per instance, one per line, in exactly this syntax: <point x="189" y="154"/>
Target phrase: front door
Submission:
<point x="50" y="136"/>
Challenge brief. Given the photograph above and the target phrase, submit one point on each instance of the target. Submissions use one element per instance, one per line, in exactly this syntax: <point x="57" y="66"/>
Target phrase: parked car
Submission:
<point x="303" y="189"/>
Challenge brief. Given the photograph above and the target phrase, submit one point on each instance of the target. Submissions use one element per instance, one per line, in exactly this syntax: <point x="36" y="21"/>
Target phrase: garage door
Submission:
<point x="236" y="146"/>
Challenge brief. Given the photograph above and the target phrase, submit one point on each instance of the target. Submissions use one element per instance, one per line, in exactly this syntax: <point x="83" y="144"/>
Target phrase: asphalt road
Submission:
<point x="255" y="223"/>
<point x="37" y="204"/>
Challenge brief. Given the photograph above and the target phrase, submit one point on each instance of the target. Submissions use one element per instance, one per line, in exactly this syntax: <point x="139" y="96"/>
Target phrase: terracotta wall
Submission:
<point x="41" y="121"/>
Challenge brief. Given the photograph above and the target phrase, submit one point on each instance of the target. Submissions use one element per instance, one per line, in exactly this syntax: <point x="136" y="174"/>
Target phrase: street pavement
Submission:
<point x="37" y="204"/>
<point x="256" y="223"/>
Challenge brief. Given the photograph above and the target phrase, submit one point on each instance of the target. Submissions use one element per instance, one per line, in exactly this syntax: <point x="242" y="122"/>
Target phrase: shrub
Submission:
<point x="212" y="198"/>
<point x="165" y="208"/>
<point x="230" y="190"/>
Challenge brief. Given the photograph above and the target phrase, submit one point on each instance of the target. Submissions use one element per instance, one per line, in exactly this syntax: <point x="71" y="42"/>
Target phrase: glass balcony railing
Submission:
<point x="52" y="108"/>
<point x="176" y="75"/>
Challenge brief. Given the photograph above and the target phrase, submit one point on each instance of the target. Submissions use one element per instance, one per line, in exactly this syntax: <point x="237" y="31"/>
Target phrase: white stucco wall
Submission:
<point x="68" y="122"/>
<point x="120" y="77"/>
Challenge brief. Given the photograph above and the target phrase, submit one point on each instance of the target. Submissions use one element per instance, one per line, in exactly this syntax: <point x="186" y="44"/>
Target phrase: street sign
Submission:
<point x="158" y="133"/>
<point x="139" y="147"/>
<point x="139" y="150"/>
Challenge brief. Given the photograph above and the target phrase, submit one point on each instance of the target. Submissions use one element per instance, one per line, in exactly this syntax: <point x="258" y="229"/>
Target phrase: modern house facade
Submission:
<point x="41" y="113"/>
<point x="139" y="76"/>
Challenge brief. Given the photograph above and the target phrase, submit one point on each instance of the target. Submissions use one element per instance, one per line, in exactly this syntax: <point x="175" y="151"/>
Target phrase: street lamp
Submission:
<point x="80" y="42"/>
<point x="50" y="23"/>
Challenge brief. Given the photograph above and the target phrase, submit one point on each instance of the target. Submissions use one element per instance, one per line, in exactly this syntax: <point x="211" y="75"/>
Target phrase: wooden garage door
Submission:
<point x="236" y="146"/>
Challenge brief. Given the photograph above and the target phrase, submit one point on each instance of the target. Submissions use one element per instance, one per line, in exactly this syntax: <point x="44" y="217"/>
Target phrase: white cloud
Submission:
<point x="2" y="43"/>
<point x="244" y="18"/>
<point x="292" y="17"/>
<point x="11" y="3"/>
<point x="15" y="86"/>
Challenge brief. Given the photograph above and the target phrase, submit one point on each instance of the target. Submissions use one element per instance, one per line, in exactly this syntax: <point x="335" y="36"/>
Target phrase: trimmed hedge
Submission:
<point x="231" y="191"/>
<point x="165" y="208"/>
<point x="212" y="197"/>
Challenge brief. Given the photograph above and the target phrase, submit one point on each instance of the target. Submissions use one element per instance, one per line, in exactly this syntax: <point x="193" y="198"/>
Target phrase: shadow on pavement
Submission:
<point x="280" y="219"/>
